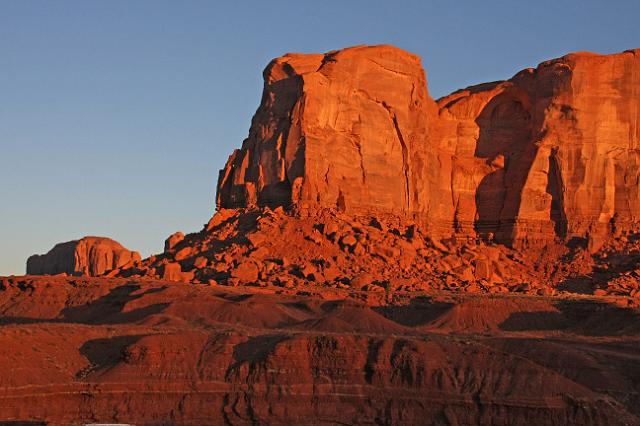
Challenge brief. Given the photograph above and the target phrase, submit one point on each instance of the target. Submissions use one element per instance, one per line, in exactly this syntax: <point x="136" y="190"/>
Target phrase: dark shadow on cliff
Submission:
<point x="580" y="317"/>
<point x="257" y="348"/>
<point x="24" y="320"/>
<point x="105" y="353"/>
<point x="420" y="311"/>
<point x="107" y="309"/>
<point x="505" y="145"/>
<point x="535" y="321"/>
<point x="253" y="351"/>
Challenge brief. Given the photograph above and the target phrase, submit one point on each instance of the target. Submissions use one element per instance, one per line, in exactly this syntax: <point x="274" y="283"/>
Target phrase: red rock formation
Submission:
<point x="378" y="174"/>
<point x="549" y="154"/>
<point x="348" y="130"/>
<point x="356" y="309"/>
<point x="91" y="256"/>
<point x="173" y="240"/>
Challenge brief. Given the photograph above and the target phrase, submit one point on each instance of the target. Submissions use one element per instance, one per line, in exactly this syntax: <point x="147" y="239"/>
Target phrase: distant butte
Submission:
<point x="92" y="256"/>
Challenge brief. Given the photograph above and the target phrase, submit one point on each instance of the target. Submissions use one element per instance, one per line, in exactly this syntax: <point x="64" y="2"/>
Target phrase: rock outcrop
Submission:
<point x="349" y="130"/>
<point x="91" y="256"/>
<point x="173" y="240"/>
<point x="353" y="177"/>
<point x="553" y="152"/>
<point x="549" y="155"/>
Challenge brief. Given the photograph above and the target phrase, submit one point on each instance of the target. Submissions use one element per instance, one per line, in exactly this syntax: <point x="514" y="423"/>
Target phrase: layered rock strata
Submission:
<point x="86" y="350"/>
<point x="551" y="152"/>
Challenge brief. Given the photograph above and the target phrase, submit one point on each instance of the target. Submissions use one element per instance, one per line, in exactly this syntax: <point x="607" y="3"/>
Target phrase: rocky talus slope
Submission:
<point x="353" y="176"/>
<point x="328" y="249"/>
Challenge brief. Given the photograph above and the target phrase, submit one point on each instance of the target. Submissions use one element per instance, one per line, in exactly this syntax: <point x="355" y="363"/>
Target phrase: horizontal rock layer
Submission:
<point x="152" y="352"/>
<point x="551" y="153"/>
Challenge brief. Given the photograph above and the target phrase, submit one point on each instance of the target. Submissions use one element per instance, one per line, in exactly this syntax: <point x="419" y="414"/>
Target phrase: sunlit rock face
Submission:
<point x="346" y="130"/>
<point x="551" y="153"/>
<point x="90" y="256"/>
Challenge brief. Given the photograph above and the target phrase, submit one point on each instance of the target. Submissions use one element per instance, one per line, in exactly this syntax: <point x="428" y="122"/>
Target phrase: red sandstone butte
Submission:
<point x="527" y="185"/>
<point x="549" y="154"/>
<point x="91" y="256"/>
<point x="349" y="129"/>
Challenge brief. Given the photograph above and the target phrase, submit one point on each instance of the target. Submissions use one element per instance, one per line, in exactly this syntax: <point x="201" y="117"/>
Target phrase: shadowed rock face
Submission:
<point x="91" y="256"/>
<point x="551" y="153"/>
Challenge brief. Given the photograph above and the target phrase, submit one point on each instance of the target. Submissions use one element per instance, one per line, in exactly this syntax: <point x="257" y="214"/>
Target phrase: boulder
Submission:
<point x="173" y="240"/>
<point x="362" y="280"/>
<point x="246" y="272"/>
<point x="483" y="268"/>
<point x="200" y="262"/>
<point x="172" y="272"/>
<point x="184" y="253"/>
<point x="348" y="241"/>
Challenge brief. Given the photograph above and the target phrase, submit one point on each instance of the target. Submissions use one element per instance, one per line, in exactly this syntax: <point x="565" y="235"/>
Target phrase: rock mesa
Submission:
<point x="551" y="154"/>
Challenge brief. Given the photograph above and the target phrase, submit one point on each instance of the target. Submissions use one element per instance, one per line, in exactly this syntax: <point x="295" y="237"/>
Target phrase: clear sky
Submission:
<point x="115" y="116"/>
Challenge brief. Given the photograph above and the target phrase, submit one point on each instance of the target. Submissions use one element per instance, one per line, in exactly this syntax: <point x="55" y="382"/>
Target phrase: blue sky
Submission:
<point x="115" y="116"/>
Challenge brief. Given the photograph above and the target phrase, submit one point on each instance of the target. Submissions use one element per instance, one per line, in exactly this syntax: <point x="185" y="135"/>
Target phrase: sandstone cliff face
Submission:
<point x="551" y="153"/>
<point x="91" y="256"/>
<point x="346" y="130"/>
